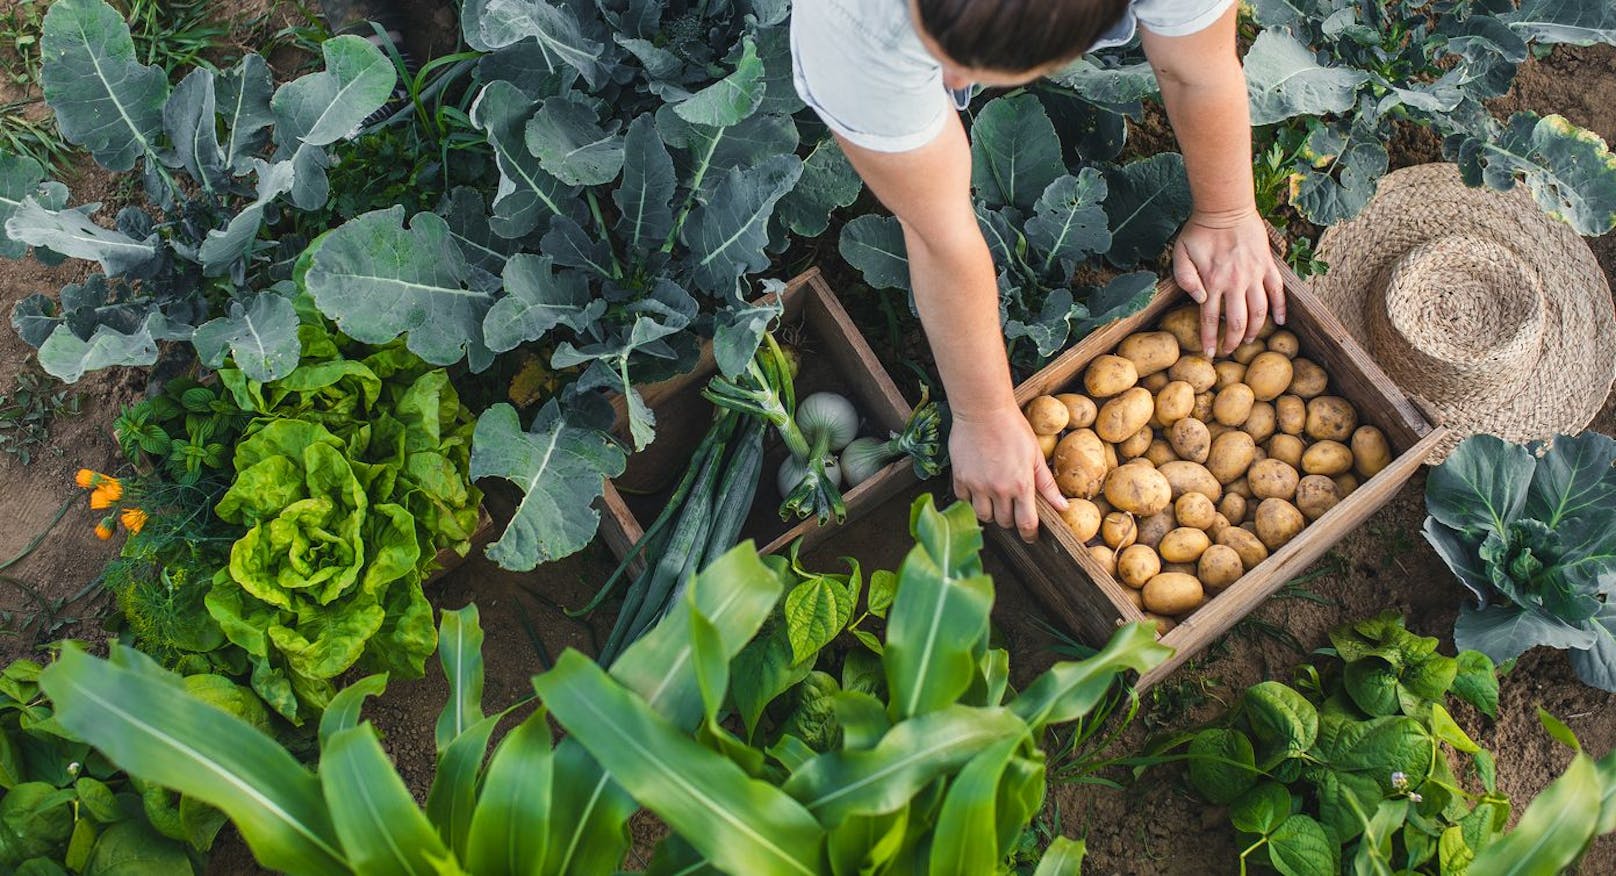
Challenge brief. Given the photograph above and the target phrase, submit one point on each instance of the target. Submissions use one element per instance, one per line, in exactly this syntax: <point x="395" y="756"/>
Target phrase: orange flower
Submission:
<point x="86" y="478"/>
<point x="133" y="519"/>
<point x="103" y="530"/>
<point x="102" y="499"/>
<point x="111" y="486"/>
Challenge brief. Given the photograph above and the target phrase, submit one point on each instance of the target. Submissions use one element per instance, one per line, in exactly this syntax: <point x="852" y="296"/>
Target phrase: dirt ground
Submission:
<point x="1152" y="827"/>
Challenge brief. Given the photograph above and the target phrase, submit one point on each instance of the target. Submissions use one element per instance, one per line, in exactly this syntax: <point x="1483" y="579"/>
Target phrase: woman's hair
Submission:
<point x="1016" y="35"/>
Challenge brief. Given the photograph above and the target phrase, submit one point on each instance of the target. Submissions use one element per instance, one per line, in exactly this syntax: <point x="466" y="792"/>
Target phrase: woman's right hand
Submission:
<point x="999" y="468"/>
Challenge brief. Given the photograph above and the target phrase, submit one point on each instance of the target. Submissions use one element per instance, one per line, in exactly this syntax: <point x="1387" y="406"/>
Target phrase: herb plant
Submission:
<point x="648" y="732"/>
<point x="1349" y="769"/>
<point x="1531" y="533"/>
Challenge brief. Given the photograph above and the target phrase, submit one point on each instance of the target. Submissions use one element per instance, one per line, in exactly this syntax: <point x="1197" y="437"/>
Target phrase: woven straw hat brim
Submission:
<point x="1557" y="387"/>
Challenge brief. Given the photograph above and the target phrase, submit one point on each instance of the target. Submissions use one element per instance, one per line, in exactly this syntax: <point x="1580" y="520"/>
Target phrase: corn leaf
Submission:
<point x="460" y="649"/>
<point x="157" y="732"/>
<point x="965" y="838"/>
<point x="383" y="832"/>
<point x="506" y="838"/>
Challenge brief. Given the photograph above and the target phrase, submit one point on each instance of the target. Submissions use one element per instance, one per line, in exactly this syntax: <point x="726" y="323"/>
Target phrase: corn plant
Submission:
<point x="945" y="773"/>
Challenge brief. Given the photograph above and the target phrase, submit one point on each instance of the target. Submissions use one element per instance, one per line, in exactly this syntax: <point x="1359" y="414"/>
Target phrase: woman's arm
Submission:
<point x="1222" y="257"/>
<point x="996" y="461"/>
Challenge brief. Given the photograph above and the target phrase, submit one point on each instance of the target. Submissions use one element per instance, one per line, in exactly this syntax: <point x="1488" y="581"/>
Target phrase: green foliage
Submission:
<point x="65" y="807"/>
<point x="648" y="732"/>
<point x="27" y="412"/>
<point x="190" y="265"/>
<point x="1530" y="532"/>
<point x="1349" y="769"/>
<point x="1344" y="73"/>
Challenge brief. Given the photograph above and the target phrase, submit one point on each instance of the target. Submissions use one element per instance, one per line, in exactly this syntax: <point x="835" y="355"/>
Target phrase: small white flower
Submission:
<point x="1399" y="779"/>
<point x="1414" y="797"/>
<point x="74" y="768"/>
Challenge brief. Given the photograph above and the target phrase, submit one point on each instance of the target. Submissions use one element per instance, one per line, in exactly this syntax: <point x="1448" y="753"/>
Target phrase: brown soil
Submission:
<point x="1153" y="827"/>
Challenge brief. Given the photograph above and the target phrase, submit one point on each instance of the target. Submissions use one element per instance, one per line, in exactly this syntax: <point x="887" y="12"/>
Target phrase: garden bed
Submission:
<point x="835" y="357"/>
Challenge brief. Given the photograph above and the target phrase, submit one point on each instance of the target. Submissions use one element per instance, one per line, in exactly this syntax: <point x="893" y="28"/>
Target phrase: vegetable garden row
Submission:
<point x="585" y="269"/>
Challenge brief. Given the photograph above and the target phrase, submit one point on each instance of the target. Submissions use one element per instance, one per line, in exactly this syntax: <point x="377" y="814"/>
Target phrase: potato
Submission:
<point x="1105" y="557"/>
<point x="1233" y="404"/>
<point x="1138" y="489"/>
<point x="1109" y="375"/>
<point x="1194" y="509"/>
<point x="1047" y="415"/>
<point x="1190" y="439"/>
<point x="1173" y="593"/>
<point x="1179" y="568"/>
<point x="1247" y="352"/>
<point x="1164" y="624"/>
<point x="1214" y="429"/>
<point x="1150" y="352"/>
<point x="1079" y="408"/>
<point x="1259" y="454"/>
<point x="1370" y="452"/>
<point x="1345" y="484"/>
<point x="1103" y="505"/>
<point x="1124" y="415"/>
<point x="1046" y="443"/>
<point x="1079" y="464"/>
<point x="1328" y="458"/>
<point x="1315" y="495"/>
<point x="1219" y="523"/>
<point x="1184" y="324"/>
<point x="1260" y="422"/>
<point x="1233" y="507"/>
<point x="1137" y="564"/>
<point x="1230" y="372"/>
<point x="1272" y="479"/>
<point x="1219" y="567"/>
<point x="1196" y="370"/>
<point x="1183" y="545"/>
<point x="1284" y="342"/>
<point x="1290" y="414"/>
<point x="1268" y="375"/>
<point x="1152" y="528"/>
<point x="1139" y="461"/>
<point x="1154" y="382"/>
<point x="1287" y="449"/>
<point x="1268" y="327"/>
<point x="1110" y="452"/>
<point x="1232" y="454"/>
<point x="1203" y="406"/>
<point x="1330" y="418"/>
<point x="1278" y="522"/>
<point x="1160" y="451"/>
<point x="1175" y="402"/>
<point x="1118" y="530"/>
<point x="1246" y="544"/>
<point x="1082" y="517"/>
<point x="1307" y="378"/>
<point x="1240" y="487"/>
<point x="1136" y="444"/>
<point x="1185" y="476"/>
<point x="1134" y="598"/>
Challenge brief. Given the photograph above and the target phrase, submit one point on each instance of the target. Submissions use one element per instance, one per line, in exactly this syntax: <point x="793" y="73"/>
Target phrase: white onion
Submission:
<point x="830" y="414"/>
<point x="863" y="458"/>
<point x="793" y="471"/>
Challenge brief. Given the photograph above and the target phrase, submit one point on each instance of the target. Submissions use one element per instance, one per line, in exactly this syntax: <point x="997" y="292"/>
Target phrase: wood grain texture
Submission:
<point x="837" y="341"/>
<point x="1092" y="602"/>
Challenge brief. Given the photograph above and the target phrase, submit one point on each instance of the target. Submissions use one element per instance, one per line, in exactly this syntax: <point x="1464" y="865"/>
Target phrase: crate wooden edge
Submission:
<point x="1326" y="339"/>
<point x="447" y="560"/>
<point x="619" y="527"/>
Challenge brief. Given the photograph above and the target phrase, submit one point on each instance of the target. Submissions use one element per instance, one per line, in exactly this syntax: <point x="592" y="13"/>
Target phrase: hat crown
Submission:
<point x="1462" y="313"/>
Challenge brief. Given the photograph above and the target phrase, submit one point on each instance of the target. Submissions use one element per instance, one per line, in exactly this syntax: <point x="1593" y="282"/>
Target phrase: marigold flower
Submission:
<point x="102" y="499"/>
<point x="86" y="478"/>
<point x="111" y="486"/>
<point x="133" y="519"/>
<point x="103" y="530"/>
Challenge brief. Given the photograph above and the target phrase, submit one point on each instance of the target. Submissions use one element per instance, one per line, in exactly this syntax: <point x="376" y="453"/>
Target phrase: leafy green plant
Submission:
<point x="191" y="268"/>
<point x="65" y="807"/>
<point x="1531" y="533"/>
<point x="1358" y="68"/>
<point x="27" y="412"/>
<point x="1349" y="769"/>
<point x="647" y="733"/>
<point x="1561" y="822"/>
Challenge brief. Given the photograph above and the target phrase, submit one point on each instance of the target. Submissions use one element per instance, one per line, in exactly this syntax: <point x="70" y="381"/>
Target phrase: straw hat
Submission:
<point x="1491" y="315"/>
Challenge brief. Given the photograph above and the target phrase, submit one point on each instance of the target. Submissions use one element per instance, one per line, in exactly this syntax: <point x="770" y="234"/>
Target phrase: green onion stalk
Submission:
<point x="765" y="390"/>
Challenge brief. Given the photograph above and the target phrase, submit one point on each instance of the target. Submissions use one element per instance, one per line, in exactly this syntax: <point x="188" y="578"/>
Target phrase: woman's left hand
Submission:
<point x="1225" y="263"/>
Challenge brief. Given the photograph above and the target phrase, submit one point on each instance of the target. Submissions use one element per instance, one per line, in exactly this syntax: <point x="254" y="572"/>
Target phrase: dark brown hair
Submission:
<point x="1017" y="35"/>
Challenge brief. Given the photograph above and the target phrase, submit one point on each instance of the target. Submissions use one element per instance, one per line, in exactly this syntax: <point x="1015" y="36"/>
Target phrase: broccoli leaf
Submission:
<point x="1283" y="80"/>
<point x="727" y="234"/>
<point x="494" y="24"/>
<point x="560" y="468"/>
<point x="731" y="99"/>
<point x="321" y="108"/>
<point x="1015" y="154"/>
<point x="1564" y="21"/>
<point x="66" y="356"/>
<point x="874" y="244"/>
<point x="1570" y="171"/>
<point x="527" y="195"/>
<point x="1146" y="201"/>
<point x="1068" y="223"/>
<point x="538" y="298"/>
<point x="261" y="337"/>
<point x="571" y="145"/>
<point x="72" y="233"/>
<point x="104" y="99"/>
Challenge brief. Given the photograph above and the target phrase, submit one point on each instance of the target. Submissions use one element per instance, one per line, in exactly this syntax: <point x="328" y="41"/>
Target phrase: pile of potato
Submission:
<point x="1185" y="471"/>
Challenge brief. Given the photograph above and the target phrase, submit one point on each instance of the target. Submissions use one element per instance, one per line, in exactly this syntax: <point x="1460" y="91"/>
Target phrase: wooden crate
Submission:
<point x="447" y="560"/>
<point x="835" y="357"/>
<point x="1091" y="602"/>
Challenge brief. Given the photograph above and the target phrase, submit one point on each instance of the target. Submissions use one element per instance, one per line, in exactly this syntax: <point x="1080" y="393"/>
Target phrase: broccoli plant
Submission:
<point x="220" y="155"/>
